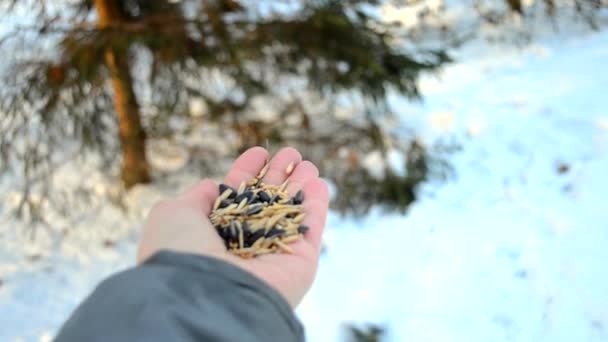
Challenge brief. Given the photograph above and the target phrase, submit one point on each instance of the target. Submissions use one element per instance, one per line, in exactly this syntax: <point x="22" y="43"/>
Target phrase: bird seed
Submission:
<point x="259" y="218"/>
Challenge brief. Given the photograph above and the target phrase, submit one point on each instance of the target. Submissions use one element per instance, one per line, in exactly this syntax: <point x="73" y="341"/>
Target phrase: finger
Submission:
<point x="303" y="173"/>
<point x="203" y="194"/>
<point x="277" y="171"/>
<point x="316" y="204"/>
<point x="246" y="166"/>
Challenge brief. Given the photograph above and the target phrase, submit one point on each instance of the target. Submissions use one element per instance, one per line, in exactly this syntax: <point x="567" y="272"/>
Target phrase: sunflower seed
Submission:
<point x="299" y="197"/>
<point x="255" y="236"/>
<point x="225" y="203"/>
<point x="263" y="196"/>
<point x="302" y="229"/>
<point x="245" y="227"/>
<point x="274" y="232"/>
<point x="224" y="233"/>
<point x="255" y="209"/>
<point x="247" y="194"/>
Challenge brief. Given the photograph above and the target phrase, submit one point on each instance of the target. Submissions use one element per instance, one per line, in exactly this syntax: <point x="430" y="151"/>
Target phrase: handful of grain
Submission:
<point x="258" y="218"/>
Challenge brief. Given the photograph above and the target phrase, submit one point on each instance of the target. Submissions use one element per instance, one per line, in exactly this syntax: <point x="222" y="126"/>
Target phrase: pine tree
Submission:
<point x="107" y="75"/>
<point x="334" y="45"/>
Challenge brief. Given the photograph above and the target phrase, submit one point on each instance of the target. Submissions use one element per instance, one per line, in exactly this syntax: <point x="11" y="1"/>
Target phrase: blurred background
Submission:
<point x="465" y="142"/>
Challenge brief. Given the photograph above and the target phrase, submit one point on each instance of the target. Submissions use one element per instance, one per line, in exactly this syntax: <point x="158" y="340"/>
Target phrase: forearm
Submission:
<point x="183" y="297"/>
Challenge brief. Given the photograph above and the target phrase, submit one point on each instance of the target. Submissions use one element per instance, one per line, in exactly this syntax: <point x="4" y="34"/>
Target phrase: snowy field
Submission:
<point x="514" y="247"/>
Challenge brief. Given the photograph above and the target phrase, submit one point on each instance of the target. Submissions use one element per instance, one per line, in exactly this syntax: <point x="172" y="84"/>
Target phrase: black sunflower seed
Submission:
<point x="255" y="208"/>
<point x="224" y="187"/>
<point x="246" y="234"/>
<point x="225" y="203"/>
<point x="275" y="232"/>
<point x="247" y="194"/>
<point x="302" y="229"/>
<point x="264" y="197"/>
<point x="255" y="200"/>
<point x="224" y="233"/>
<point x="245" y="227"/>
<point x="255" y="236"/>
<point x="275" y="199"/>
<point x="234" y="234"/>
<point x="298" y="198"/>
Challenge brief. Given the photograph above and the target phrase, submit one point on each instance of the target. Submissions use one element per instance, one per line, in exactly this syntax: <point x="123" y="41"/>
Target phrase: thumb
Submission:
<point x="202" y="195"/>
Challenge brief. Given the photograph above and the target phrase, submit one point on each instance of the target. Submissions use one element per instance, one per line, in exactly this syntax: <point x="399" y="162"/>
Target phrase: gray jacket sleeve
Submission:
<point x="183" y="297"/>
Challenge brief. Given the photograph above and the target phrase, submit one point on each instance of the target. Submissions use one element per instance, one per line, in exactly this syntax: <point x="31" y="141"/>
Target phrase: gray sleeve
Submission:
<point x="183" y="297"/>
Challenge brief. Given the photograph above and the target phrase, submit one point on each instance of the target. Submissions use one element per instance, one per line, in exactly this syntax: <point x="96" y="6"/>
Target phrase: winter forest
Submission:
<point x="463" y="142"/>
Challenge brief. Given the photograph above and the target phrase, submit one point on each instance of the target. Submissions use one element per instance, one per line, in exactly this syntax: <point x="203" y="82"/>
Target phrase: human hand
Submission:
<point x="182" y="224"/>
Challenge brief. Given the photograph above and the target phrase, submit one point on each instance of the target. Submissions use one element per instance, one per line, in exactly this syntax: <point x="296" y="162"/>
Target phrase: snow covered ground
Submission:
<point x="513" y="248"/>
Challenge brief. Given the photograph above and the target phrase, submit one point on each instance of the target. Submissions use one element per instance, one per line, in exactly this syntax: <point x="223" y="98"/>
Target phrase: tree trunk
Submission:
<point x="135" y="168"/>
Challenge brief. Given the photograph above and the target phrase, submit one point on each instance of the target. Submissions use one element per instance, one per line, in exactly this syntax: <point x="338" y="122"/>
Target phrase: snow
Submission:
<point x="509" y="249"/>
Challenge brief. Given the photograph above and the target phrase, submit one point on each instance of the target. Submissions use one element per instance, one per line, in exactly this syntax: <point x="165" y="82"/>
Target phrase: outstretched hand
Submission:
<point x="182" y="224"/>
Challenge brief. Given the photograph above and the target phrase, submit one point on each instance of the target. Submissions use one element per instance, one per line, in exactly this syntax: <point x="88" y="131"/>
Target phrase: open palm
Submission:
<point x="182" y="224"/>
